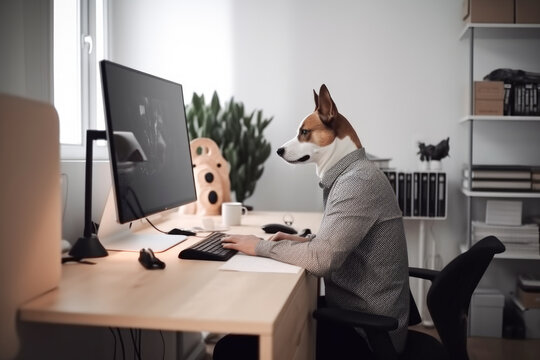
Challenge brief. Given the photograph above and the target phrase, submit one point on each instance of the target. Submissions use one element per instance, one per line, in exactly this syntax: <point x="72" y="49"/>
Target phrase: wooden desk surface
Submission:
<point x="187" y="295"/>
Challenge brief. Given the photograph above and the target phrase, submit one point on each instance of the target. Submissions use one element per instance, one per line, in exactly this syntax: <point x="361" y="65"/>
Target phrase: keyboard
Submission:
<point x="208" y="249"/>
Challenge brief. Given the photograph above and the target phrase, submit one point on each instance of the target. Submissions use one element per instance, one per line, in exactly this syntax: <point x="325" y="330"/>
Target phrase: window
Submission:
<point x="79" y="44"/>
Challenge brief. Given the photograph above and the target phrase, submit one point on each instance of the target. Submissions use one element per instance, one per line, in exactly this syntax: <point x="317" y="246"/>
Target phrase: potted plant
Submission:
<point x="239" y="136"/>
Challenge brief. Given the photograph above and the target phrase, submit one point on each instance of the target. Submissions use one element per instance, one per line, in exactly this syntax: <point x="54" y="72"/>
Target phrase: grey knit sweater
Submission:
<point x="360" y="249"/>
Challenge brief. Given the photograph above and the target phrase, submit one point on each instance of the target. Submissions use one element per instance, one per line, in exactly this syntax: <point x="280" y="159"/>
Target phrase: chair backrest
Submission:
<point x="30" y="209"/>
<point x="450" y="294"/>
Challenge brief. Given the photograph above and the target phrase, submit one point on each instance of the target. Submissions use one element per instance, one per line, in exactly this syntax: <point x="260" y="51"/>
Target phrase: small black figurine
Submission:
<point x="434" y="152"/>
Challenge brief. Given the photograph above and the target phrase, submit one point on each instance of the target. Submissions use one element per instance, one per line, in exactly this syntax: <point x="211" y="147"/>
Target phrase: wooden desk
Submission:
<point x="190" y="295"/>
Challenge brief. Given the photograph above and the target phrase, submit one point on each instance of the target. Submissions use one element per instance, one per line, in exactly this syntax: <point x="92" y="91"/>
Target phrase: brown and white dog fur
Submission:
<point x="324" y="136"/>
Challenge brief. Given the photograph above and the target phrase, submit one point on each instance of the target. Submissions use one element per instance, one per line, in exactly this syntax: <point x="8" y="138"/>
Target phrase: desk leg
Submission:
<point x="427" y="321"/>
<point x="421" y="302"/>
<point x="421" y="257"/>
<point x="266" y="347"/>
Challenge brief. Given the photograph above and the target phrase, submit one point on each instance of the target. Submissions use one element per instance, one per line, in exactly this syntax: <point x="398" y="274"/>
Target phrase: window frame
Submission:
<point x="90" y="84"/>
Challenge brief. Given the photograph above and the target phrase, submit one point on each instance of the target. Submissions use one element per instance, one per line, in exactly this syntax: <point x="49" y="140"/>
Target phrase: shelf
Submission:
<point x="424" y="218"/>
<point x="501" y="194"/>
<point x="518" y="255"/>
<point x="498" y="118"/>
<point x="511" y="255"/>
<point x="469" y="26"/>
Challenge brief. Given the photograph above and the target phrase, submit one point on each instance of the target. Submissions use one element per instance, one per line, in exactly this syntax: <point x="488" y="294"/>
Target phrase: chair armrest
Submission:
<point x="421" y="273"/>
<point x="356" y="318"/>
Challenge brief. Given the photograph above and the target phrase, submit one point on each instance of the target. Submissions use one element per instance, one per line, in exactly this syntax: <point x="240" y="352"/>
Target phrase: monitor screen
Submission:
<point x="148" y="142"/>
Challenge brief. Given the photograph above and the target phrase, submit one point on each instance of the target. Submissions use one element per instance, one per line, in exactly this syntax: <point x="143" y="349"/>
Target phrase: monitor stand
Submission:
<point x="119" y="237"/>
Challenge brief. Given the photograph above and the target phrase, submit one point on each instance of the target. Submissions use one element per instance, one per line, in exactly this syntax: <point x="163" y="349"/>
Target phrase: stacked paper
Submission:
<point x="517" y="238"/>
<point x="503" y="212"/>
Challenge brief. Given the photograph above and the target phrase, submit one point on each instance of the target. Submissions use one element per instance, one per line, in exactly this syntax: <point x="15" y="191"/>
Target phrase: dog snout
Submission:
<point x="281" y="151"/>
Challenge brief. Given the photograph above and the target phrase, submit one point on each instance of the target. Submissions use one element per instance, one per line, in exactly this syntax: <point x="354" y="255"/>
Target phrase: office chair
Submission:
<point x="448" y="302"/>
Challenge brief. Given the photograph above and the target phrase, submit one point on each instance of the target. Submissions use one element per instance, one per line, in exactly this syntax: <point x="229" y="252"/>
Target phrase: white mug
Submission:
<point x="231" y="213"/>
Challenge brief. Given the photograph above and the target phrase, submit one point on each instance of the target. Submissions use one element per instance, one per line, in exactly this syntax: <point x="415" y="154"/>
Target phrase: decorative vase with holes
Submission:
<point x="211" y="172"/>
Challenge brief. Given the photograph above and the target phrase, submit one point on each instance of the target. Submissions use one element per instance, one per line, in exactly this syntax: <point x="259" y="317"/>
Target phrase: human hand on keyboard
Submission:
<point x="242" y="243"/>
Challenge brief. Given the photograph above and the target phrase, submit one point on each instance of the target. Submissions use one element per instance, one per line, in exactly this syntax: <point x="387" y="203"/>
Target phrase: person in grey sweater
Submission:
<point x="360" y="250"/>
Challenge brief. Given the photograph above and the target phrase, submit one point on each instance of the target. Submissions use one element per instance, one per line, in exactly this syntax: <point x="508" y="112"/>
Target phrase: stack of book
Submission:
<point x="535" y="178"/>
<point x="521" y="99"/>
<point x="420" y="194"/>
<point x="506" y="98"/>
<point x="498" y="178"/>
<point x="382" y="163"/>
<point x="521" y="238"/>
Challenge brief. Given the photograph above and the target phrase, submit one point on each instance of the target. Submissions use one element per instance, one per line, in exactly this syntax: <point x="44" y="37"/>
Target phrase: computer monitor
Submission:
<point x="148" y="142"/>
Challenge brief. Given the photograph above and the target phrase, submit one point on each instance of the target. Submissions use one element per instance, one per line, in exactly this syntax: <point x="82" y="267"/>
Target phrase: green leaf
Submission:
<point x="265" y="123"/>
<point x="214" y="105"/>
<point x="196" y="101"/>
<point x="259" y="173"/>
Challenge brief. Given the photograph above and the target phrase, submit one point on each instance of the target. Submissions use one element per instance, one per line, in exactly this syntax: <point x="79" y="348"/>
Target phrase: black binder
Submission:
<point x="424" y="183"/>
<point x="391" y="175"/>
<point x="432" y="197"/>
<point x="408" y="194"/>
<point x="401" y="191"/>
<point x="441" y="197"/>
<point x="507" y="107"/>
<point x="416" y="194"/>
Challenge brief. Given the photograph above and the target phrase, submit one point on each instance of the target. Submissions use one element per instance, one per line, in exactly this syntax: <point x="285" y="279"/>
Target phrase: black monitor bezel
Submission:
<point x="122" y="218"/>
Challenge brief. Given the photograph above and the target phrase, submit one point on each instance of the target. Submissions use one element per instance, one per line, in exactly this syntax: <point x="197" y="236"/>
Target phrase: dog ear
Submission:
<point x="326" y="106"/>
<point x="316" y="98"/>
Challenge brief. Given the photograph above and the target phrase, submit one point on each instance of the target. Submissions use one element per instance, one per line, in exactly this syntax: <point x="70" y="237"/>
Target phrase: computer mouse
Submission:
<point x="305" y="232"/>
<point x="274" y="228"/>
<point x="176" y="231"/>
<point x="149" y="260"/>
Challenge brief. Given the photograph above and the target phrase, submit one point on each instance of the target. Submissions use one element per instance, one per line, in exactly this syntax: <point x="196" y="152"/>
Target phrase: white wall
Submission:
<point x="396" y="70"/>
<point x="184" y="41"/>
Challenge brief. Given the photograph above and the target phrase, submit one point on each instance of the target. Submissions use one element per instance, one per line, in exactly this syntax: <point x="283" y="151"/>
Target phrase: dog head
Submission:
<point x="323" y="138"/>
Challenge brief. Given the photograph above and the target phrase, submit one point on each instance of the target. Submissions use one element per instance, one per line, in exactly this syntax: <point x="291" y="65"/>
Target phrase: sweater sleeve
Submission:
<point x="347" y="219"/>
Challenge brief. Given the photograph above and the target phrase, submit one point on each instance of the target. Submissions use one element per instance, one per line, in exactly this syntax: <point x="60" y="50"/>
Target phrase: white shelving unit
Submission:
<point x="471" y="26"/>
<point x="498" y="118"/>
<point x="470" y="120"/>
<point x="495" y="194"/>
<point x="516" y="255"/>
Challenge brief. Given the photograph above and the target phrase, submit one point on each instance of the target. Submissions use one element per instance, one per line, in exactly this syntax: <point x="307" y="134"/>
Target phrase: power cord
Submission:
<point x="165" y="232"/>
<point x="162" y="342"/>
<point x="114" y="337"/>
<point x="121" y="343"/>
<point x="161" y="231"/>
<point x="136" y="340"/>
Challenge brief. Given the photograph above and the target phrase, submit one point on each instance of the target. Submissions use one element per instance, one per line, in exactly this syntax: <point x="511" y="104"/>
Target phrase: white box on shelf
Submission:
<point x="503" y="212"/>
<point x="531" y="319"/>
<point x="487" y="313"/>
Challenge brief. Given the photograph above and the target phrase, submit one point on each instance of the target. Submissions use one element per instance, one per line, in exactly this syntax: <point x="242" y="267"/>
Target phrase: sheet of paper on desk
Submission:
<point x="248" y="263"/>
